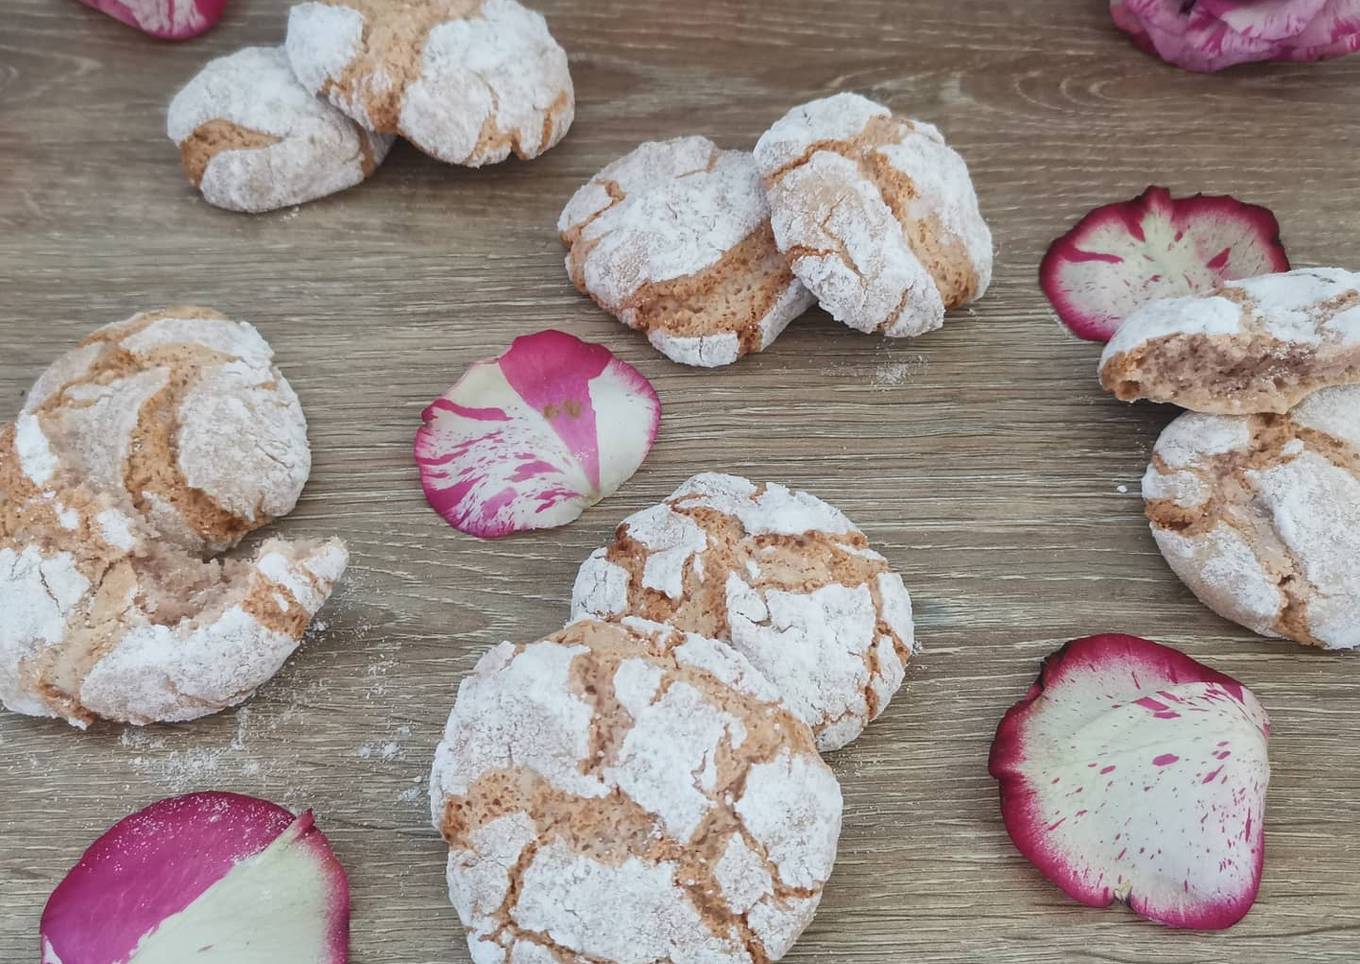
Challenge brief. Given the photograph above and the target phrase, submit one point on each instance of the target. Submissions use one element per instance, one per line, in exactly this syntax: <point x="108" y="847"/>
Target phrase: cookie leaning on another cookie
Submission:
<point x="674" y="240"/>
<point x="1259" y="345"/>
<point x="467" y="81"/>
<point x="627" y="792"/>
<point x="104" y="621"/>
<point x="182" y="412"/>
<point x="784" y="577"/>
<point x="252" y="139"/>
<point x="875" y="213"/>
<point x="1260" y="516"/>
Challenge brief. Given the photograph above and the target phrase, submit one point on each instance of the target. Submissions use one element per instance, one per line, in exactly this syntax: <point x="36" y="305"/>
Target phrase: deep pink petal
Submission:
<point x="166" y="19"/>
<point x="157" y="862"/>
<point x="1123" y="255"/>
<point x="1132" y="772"/>
<point x="529" y="440"/>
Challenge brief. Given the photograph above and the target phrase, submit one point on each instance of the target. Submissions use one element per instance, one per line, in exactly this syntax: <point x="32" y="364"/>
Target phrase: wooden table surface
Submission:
<point x="983" y="459"/>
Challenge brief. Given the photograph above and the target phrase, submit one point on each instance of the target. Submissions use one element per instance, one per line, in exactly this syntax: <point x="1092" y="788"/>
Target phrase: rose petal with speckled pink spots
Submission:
<point x="165" y="19"/>
<point x="533" y="438"/>
<point x="1132" y="772"/>
<point x="216" y="877"/>
<point x="1121" y="256"/>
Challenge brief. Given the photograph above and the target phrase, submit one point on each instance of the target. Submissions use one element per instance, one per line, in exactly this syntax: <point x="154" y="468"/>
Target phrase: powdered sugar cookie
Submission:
<point x="1260" y="515"/>
<point x="784" y="577"/>
<point x="182" y="412"/>
<point x="876" y="214"/>
<point x="103" y="621"/>
<point x="1259" y="345"/>
<point x="467" y="81"/>
<point x="674" y="239"/>
<point x="624" y="792"/>
<point x="251" y="138"/>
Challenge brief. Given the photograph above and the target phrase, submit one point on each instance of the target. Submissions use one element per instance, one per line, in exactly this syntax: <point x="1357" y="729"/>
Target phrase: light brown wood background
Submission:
<point x="982" y="459"/>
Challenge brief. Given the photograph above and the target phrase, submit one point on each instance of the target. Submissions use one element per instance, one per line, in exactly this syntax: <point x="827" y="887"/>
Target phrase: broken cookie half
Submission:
<point x="1259" y="345"/>
<point x="674" y="240"/>
<point x="876" y="214"/>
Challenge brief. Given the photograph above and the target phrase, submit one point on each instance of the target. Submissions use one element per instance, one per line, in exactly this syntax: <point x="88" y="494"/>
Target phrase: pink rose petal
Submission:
<point x="533" y="438"/>
<point x="167" y="877"/>
<point x="166" y="19"/>
<point x="1131" y="772"/>
<point x="1123" y="255"/>
<point x="1209" y="35"/>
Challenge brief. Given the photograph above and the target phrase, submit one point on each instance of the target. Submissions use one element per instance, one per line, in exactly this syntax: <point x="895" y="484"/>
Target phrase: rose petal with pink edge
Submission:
<point x="1123" y="255"/>
<point x="216" y="877"/>
<point x="1132" y="772"/>
<point x="533" y="438"/>
<point x="166" y="19"/>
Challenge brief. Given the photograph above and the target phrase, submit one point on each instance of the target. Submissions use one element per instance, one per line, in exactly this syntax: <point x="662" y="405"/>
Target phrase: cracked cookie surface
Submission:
<point x="627" y="792"/>
<point x="102" y="620"/>
<point x="674" y="240"/>
<point x="1260" y="516"/>
<point x="182" y="412"/>
<point x="782" y="576"/>
<point x="466" y="81"/>
<point x="876" y="214"/>
<point x="1259" y="345"/>
<point x="252" y="139"/>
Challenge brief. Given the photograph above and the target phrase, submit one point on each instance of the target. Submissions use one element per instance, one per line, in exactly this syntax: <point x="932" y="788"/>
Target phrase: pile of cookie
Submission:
<point x="466" y="81"/>
<point x="645" y="785"/>
<point x="1254" y="493"/>
<point x="141" y="454"/>
<point x="712" y="253"/>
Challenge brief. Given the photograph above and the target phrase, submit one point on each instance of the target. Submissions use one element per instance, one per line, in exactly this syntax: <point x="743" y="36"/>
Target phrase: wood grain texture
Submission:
<point x="982" y="460"/>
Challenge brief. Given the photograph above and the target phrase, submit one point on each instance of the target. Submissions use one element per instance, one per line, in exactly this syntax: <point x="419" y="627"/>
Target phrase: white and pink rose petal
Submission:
<point x="531" y="439"/>
<point x="165" y="19"/>
<point x="214" y="877"/>
<point x="1121" y="256"/>
<point x="1132" y="772"/>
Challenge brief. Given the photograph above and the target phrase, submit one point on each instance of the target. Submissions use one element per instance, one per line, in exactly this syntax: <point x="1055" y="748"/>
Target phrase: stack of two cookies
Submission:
<point x="466" y="81"/>
<point x="1254" y="494"/>
<point x="712" y="253"/>
<point x="645" y="785"/>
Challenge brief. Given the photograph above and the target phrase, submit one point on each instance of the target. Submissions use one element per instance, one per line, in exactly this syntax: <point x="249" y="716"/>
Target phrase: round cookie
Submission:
<point x="252" y="139"/>
<point x="466" y="81"/>
<point x="784" y="577"/>
<point x="1259" y="345"/>
<point x="182" y="412"/>
<point x="1260" y="516"/>
<point x="103" y="621"/>
<point x="876" y="215"/>
<point x="674" y="240"/>
<point x="625" y="792"/>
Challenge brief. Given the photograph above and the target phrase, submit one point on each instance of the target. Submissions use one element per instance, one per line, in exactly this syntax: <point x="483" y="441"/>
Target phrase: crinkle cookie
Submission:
<point x="251" y="138"/>
<point x="674" y="239"/>
<point x="1260" y="515"/>
<point x="467" y="81"/>
<point x="101" y="620"/>
<point x="1259" y="345"/>
<point x="624" y="792"/>
<point x="181" y="411"/>
<point x="784" y="577"/>
<point x="875" y="213"/>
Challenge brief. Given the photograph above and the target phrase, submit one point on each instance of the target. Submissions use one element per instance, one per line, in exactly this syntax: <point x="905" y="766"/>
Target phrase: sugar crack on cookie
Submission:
<point x="1259" y="345"/>
<point x="782" y="576"/>
<point x="876" y="214"/>
<point x="624" y="792"/>
<point x="252" y="139"/>
<point x="674" y="240"/>
<point x="1260" y="516"/>
<point x="154" y="442"/>
<point x="466" y="81"/>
